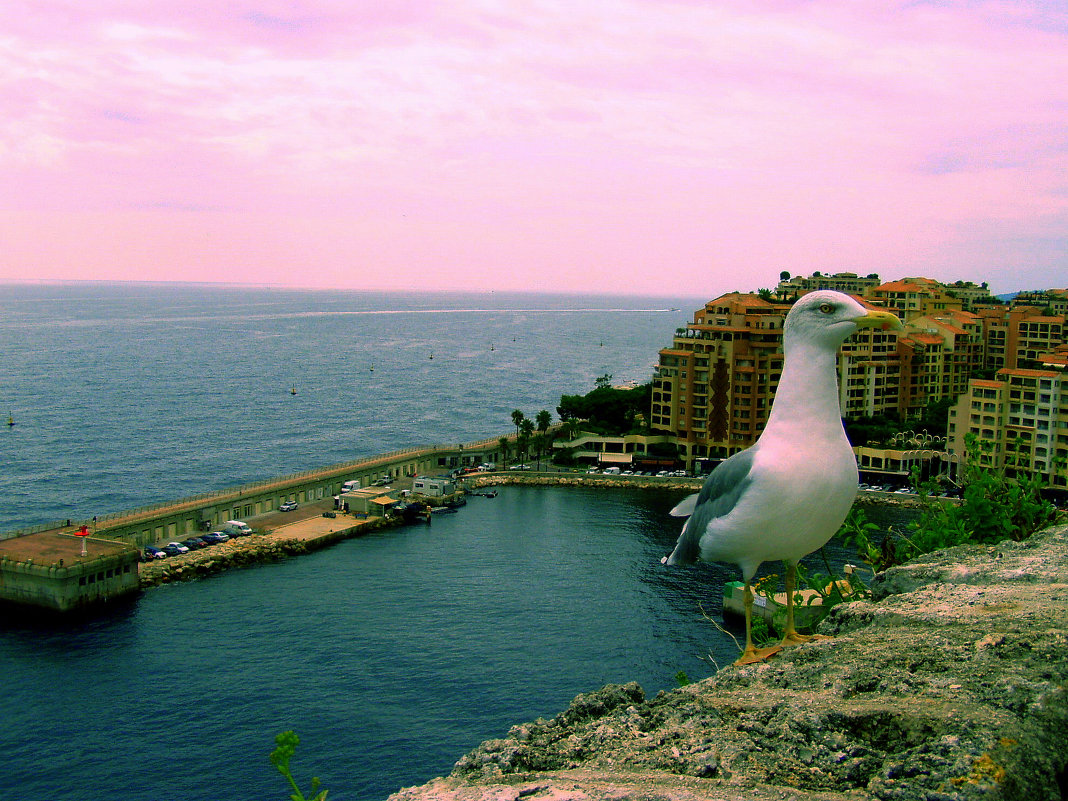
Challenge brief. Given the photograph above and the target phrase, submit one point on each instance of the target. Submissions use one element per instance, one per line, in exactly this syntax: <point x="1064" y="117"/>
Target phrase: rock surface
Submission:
<point x="951" y="683"/>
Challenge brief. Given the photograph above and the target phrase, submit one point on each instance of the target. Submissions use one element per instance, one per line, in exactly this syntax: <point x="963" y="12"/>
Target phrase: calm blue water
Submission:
<point x="390" y="655"/>
<point x="131" y="394"/>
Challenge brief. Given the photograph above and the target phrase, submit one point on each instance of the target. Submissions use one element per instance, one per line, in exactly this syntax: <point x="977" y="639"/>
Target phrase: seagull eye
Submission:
<point x="826" y="308"/>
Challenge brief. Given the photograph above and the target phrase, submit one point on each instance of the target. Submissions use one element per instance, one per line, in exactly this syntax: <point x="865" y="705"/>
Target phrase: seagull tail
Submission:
<point x="687" y="550"/>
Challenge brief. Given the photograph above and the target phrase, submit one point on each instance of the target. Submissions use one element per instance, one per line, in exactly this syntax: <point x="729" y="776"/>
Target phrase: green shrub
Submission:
<point x="992" y="508"/>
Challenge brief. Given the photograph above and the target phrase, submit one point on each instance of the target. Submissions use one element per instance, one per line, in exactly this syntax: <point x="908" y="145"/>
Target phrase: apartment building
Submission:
<point x="913" y="297"/>
<point x="1052" y="301"/>
<point x="1019" y="336"/>
<point x="971" y="295"/>
<point x="1020" y="422"/>
<point x="713" y="387"/>
<point x="850" y="283"/>
<point x="870" y="373"/>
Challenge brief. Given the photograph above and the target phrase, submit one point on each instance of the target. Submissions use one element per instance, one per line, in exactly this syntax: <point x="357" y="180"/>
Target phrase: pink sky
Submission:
<point x="638" y="146"/>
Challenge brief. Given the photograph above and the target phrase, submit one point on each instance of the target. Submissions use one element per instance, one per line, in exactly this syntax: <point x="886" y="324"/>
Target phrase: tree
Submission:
<point x="607" y="409"/>
<point x="539" y="442"/>
<point x="784" y="276"/>
<point x="764" y="294"/>
<point x="571" y="428"/>
<point x="517" y="420"/>
<point x="503" y="442"/>
<point x="543" y="420"/>
<point x="526" y="429"/>
<point x="605" y="381"/>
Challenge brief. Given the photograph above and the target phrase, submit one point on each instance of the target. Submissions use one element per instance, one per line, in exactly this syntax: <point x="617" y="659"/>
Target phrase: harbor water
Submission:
<point x="391" y="654"/>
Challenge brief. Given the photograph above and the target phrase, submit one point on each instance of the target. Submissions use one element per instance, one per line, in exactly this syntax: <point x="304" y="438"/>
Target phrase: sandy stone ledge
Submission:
<point x="950" y="685"/>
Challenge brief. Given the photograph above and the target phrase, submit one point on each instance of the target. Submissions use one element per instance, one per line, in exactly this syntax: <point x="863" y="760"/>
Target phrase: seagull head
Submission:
<point x="827" y="319"/>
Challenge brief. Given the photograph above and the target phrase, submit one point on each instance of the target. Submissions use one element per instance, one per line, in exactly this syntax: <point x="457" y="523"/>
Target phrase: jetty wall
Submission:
<point x="186" y="517"/>
<point x="52" y="574"/>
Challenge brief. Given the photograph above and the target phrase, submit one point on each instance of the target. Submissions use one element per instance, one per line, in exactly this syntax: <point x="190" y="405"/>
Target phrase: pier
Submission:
<point x="44" y="567"/>
<point x="63" y="572"/>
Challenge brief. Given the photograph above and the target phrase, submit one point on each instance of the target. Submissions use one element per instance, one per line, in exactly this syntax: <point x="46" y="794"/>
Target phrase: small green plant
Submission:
<point x="681" y="679"/>
<point x="992" y="508"/>
<point x="877" y="552"/>
<point x="286" y="745"/>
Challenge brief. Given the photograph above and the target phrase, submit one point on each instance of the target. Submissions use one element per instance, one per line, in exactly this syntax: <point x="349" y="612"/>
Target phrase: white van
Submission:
<point x="236" y="528"/>
<point x="349" y="486"/>
<point x="612" y="471"/>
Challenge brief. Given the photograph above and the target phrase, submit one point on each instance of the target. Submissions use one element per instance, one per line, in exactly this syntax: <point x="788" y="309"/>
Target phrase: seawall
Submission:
<point x="281" y="543"/>
<point x="951" y="683"/>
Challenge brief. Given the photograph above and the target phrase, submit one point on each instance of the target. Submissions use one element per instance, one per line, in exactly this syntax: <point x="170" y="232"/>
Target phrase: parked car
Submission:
<point x="288" y="506"/>
<point x="215" y="537"/>
<point x="151" y="553"/>
<point x="174" y="549"/>
<point x="194" y="543"/>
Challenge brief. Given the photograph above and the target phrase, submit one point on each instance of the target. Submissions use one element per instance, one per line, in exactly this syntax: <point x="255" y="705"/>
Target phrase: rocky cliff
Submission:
<point x="951" y="683"/>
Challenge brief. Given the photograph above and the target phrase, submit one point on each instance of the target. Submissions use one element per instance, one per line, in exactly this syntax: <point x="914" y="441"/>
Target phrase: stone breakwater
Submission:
<point x="950" y="684"/>
<point x="243" y="552"/>
<point x="676" y="483"/>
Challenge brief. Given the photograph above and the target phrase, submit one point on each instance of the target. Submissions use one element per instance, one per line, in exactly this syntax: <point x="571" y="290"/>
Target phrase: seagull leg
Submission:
<point x="791" y="637"/>
<point x="751" y="653"/>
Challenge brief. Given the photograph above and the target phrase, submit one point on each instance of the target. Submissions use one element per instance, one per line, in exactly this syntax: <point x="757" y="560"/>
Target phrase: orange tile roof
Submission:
<point x="927" y="339"/>
<point x="901" y="286"/>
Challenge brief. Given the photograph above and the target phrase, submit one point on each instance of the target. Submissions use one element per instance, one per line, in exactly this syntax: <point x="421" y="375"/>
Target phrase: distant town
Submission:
<point x="968" y="370"/>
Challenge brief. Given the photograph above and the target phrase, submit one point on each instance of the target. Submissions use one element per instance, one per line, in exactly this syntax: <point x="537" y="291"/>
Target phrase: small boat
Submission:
<point x="292" y="390"/>
<point x="415" y="513"/>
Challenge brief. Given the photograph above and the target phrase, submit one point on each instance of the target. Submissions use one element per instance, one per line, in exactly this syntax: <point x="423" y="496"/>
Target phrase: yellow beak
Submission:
<point x="879" y="319"/>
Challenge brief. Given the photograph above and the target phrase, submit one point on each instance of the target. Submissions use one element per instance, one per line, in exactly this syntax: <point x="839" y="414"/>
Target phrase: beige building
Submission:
<point x="912" y="297"/>
<point x="714" y="385"/>
<point x="850" y="283"/>
<point x="1020" y="422"/>
<point x="712" y="389"/>
<point x="1020" y="336"/>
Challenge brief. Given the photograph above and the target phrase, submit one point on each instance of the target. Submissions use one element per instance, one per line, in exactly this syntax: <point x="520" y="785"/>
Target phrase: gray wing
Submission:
<point x="717" y="497"/>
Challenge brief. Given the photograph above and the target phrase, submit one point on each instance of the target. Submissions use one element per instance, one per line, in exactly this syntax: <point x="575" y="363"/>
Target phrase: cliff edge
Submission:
<point x="952" y="683"/>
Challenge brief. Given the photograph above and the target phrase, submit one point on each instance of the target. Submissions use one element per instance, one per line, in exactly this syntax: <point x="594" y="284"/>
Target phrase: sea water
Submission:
<point x="390" y="655"/>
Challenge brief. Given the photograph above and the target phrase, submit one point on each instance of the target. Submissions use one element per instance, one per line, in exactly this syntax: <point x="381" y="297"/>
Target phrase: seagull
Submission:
<point x="788" y="493"/>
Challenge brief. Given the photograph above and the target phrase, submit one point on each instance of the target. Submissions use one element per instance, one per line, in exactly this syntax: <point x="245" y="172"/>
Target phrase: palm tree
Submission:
<point x="570" y="428"/>
<point x="526" y="428"/>
<point x="538" y="442"/>
<point x="543" y="420"/>
<point x="517" y="420"/>
<point x="503" y="443"/>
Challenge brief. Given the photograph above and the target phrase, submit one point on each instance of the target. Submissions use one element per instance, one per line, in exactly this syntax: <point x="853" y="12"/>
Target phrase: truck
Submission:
<point x="236" y="528"/>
